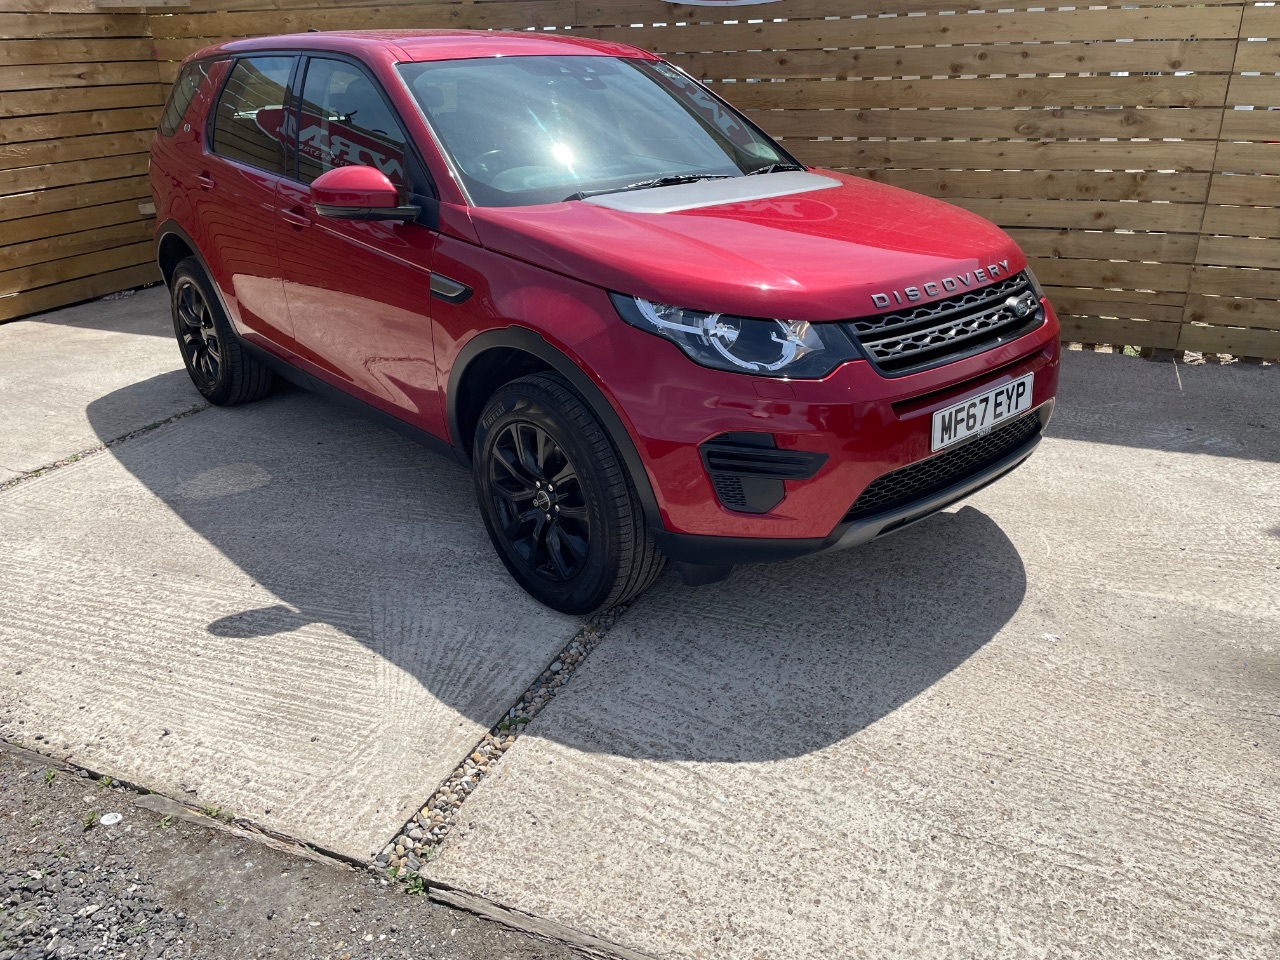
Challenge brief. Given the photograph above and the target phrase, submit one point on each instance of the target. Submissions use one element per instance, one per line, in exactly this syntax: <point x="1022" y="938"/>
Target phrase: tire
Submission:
<point x="558" y="503"/>
<point x="218" y="364"/>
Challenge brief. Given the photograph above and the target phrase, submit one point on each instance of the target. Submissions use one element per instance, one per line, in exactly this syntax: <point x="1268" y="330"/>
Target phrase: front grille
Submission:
<point x="921" y="480"/>
<point x="946" y="330"/>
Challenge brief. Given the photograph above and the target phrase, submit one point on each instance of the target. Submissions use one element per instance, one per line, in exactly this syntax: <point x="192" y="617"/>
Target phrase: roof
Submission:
<point x="421" y="45"/>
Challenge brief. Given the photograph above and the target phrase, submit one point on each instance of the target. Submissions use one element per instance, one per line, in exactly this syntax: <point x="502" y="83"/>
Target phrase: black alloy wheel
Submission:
<point x="197" y="334"/>
<point x="219" y="364"/>
<point x="557" y="500"/>
<point x="539" y="502"/>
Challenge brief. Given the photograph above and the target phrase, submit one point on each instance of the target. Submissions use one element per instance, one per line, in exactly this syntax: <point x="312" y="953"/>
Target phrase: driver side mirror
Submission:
<point x="358" y="193"/>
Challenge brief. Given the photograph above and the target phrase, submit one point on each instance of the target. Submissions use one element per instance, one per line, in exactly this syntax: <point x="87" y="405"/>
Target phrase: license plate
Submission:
<point x="978" y="415"/>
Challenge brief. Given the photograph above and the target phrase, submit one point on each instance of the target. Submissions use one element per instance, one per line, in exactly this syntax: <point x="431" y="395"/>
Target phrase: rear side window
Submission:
<point x="344" y="119"/>
<point x="180" y="97"/>
<point x="249" y="121"/>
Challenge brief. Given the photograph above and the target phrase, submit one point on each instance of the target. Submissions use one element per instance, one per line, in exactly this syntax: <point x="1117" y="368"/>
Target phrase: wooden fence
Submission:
<point x="80" y="94"/>
<point x="1109" y="141"/>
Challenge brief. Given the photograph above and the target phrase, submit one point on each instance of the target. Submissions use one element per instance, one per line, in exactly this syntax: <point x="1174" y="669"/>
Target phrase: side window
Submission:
<point x="250" y="119"/>
<point x="180" y="97"/>
<point x="345" y="120"/>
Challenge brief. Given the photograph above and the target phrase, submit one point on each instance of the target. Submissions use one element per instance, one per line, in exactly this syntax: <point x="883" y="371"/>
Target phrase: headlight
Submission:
<point x="1035" y="284"/>
<point x="768" y="348"/>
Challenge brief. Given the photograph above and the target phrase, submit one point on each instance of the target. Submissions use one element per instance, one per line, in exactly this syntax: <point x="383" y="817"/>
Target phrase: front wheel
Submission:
<point x="558" y="503"/>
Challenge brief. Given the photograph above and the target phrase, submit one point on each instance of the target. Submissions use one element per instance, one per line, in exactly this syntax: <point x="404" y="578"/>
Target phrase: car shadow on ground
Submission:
<point x="785" y="660"/>
<point x="348" y="524"/>
<point x="138" y="405"/>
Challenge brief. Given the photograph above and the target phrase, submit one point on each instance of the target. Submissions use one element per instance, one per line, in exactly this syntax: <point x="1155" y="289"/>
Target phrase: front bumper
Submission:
<point x="861" y="424"/>
<point x="720" y="551"/>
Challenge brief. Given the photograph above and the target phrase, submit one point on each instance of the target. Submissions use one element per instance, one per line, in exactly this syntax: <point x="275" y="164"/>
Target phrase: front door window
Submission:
<point x="344" y="120"/>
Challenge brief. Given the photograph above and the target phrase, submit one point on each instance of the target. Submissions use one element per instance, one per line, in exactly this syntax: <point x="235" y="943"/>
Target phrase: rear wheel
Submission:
<point x="557" y="501"/>
<point x="219" y="366"/>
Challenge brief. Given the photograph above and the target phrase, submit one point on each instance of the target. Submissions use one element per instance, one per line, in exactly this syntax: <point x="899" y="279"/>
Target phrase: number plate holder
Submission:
<point x="981" y="413"/>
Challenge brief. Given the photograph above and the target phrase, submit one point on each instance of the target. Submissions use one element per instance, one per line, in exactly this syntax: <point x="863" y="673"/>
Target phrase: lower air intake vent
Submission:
<point x="747" y="470"/>
<point x="729" y="492"/>
<point x="927" y="477"/>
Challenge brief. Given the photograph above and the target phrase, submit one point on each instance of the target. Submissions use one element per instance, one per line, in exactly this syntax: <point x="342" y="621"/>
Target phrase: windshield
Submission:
<point x="528" y="130"/>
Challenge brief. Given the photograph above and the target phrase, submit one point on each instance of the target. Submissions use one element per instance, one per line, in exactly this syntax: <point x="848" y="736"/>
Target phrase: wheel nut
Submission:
<point x="538" y="484"/>
<point x="557" y="508"/>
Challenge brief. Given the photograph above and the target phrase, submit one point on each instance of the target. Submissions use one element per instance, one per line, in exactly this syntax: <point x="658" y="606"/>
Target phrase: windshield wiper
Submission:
<point x="778" y="167"/>
<point x="646" y="184"/>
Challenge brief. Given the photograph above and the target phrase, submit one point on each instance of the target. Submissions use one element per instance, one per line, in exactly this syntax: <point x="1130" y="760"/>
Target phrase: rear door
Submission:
<point x="359" y="292"/>
<point x="234" y="196"/>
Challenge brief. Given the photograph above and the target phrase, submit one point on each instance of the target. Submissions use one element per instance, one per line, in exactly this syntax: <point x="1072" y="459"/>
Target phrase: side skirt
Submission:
<point x="330" y="392"/>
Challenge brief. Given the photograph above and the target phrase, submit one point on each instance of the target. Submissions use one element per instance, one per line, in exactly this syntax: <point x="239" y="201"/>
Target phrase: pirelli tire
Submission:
<point x="557" y="500"/>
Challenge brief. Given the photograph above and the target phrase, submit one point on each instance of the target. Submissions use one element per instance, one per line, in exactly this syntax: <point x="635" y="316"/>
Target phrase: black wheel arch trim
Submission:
<point x="522" y="338"/>
<point x="171" y="228"/>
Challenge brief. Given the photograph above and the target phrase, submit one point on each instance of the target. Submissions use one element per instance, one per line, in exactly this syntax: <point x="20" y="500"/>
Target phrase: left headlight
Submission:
<point x="1035" y="284"/>
<point x="793" y="349"/>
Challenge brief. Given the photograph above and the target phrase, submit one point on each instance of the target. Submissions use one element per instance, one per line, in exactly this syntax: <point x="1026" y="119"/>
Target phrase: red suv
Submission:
<point x="649" y="330"/>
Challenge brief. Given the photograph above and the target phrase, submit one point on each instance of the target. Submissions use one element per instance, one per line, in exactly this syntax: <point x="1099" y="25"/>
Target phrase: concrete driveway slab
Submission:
<point x="1043" y="725"/>
<point x="281" y="610"/>
<point x="54" y="365"/>
<point x="1225" y="411"/>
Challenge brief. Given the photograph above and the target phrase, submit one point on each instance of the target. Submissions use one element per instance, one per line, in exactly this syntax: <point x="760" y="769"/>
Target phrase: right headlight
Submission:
<point x="794" y="349"/>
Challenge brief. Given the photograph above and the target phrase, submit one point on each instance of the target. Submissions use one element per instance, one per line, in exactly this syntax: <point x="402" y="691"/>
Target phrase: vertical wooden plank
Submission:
<point x="1213" y="321"/>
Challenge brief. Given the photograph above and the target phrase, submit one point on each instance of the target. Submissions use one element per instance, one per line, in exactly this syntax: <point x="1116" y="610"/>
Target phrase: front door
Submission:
<point x="359" y="292"/>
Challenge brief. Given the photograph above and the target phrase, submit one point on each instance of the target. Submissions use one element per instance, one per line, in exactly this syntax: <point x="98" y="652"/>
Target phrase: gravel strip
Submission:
<point x="75" y="884"/>
<point x="408" y="852"/>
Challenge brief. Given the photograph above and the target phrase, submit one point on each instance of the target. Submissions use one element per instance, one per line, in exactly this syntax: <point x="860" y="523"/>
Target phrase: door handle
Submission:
<point x="296" y="217"/>
<point x="205" y="181"/>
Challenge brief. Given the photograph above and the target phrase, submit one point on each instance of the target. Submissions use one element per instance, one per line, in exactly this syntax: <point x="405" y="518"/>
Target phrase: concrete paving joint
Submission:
<point x="98" y="448"/>
<point x="407" y="853"/>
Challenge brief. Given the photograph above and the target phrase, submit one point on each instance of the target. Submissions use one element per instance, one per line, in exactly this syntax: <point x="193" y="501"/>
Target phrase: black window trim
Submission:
<point x="211" y="121"/>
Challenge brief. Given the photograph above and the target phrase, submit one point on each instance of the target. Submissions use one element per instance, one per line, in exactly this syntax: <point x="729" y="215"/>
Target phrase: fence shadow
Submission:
<point x="1223" y="411"/>
<point x="144" y="313"/>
